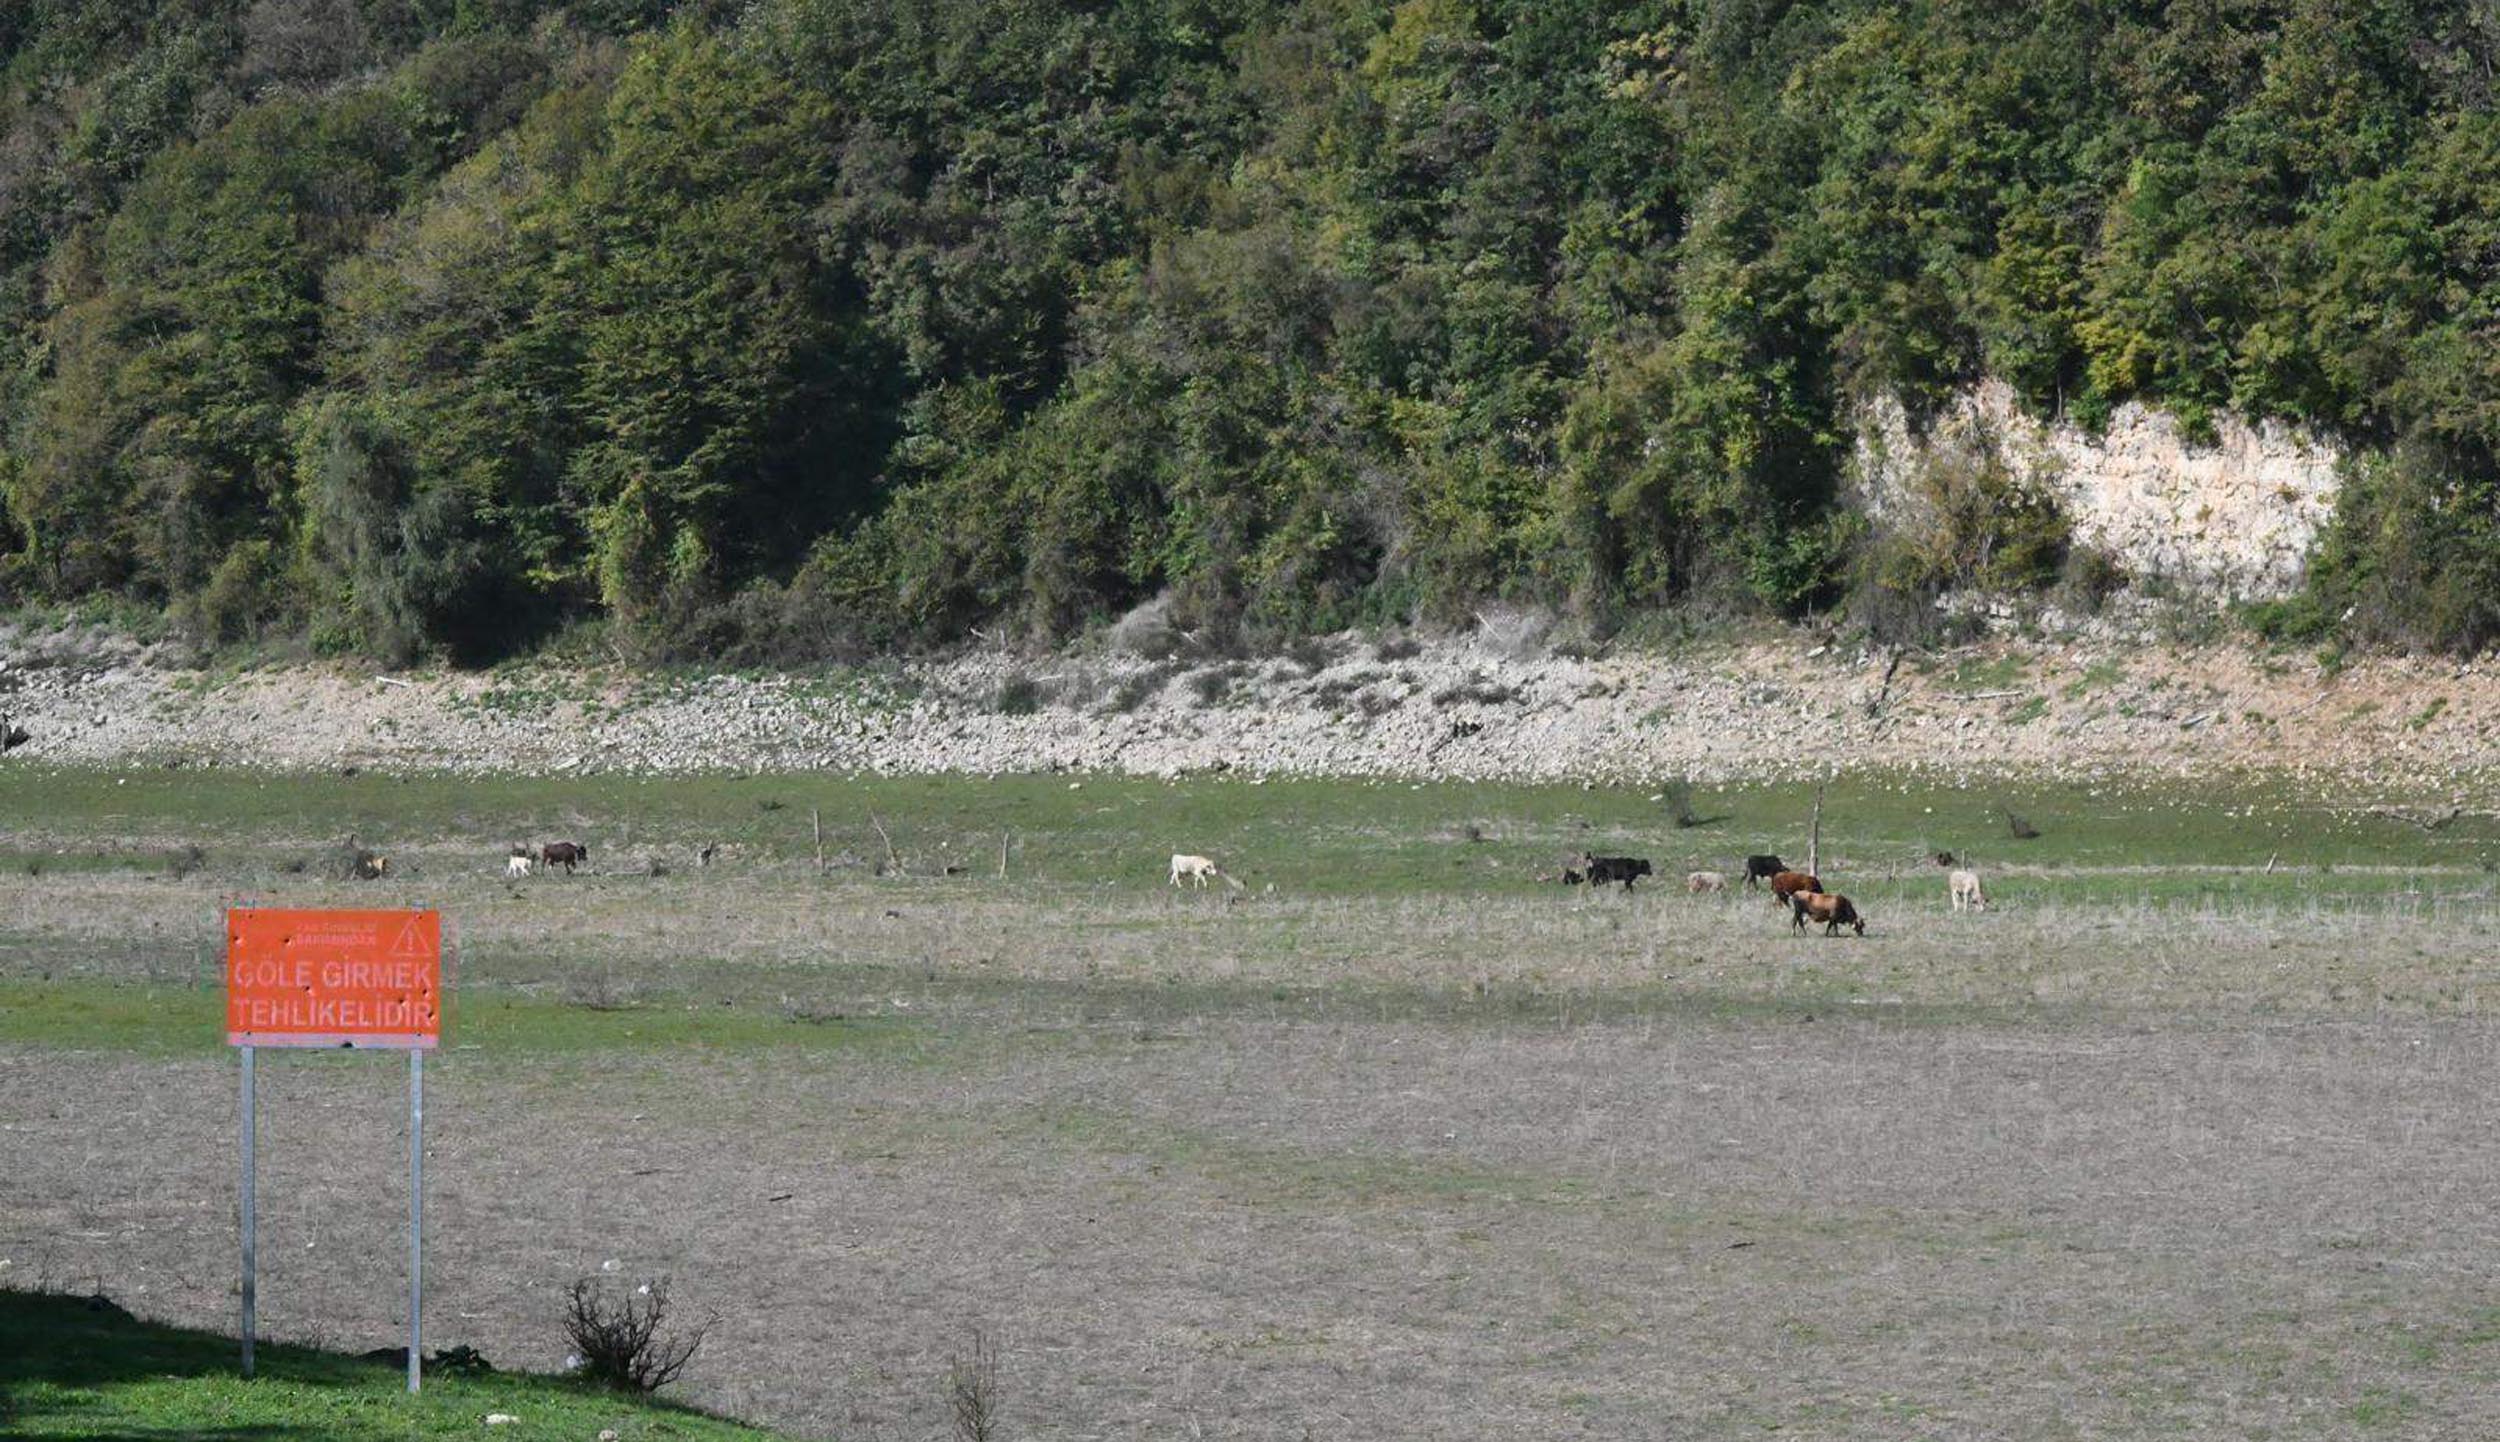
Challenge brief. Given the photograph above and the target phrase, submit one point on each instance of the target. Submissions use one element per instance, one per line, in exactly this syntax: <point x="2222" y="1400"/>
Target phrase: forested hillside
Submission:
<point x="796" y="327"/>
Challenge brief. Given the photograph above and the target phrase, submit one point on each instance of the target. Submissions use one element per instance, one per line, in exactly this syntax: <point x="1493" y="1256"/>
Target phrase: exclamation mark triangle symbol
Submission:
<point x="410" y="943"/>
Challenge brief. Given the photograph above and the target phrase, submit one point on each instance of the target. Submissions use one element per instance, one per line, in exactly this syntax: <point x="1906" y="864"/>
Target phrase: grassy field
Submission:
<point x="1396" y="1140"/>
<point x="74" y="1368"/>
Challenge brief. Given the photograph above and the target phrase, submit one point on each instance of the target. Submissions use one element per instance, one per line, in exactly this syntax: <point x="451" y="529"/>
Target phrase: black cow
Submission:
<point x="567" y="854"/>
<point x="1625" y="869"/>
<point x="1759" y="869"/>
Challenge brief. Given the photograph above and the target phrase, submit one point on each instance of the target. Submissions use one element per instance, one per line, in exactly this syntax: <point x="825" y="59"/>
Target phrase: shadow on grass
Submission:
<point x="57" y="1351"/>
<point x="83" y="1368"/>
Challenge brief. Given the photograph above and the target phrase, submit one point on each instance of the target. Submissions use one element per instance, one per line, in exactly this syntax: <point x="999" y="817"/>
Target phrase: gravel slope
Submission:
<point x="1464" y="709"/>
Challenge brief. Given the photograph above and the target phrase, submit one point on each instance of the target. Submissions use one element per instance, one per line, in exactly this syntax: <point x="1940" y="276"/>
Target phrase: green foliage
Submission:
<point x="800" y="326"/>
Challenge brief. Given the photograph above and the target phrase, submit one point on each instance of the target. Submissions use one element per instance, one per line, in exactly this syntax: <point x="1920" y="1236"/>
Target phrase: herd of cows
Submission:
<point x="1801" y="893"/>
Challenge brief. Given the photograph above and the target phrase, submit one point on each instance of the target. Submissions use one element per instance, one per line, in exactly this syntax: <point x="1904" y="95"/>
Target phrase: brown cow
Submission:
<point x="567" y="854"/>
<point x="1834" y="912"/>
<point x="1789" y="883"/>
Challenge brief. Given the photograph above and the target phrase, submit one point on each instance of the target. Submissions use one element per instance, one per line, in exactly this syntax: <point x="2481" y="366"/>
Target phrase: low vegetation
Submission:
<point x="83" y="1369"/>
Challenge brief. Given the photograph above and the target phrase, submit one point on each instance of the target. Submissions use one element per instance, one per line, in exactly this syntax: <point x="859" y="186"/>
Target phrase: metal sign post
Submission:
<point x="416" y="1209"/>
<point x="251" y="1234"/>
<point x="336" y="979"/>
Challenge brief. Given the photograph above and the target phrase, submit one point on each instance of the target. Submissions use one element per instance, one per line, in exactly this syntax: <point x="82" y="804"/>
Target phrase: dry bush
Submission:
<point x="1518" y="632"/>
<point x="619" y="1340"/>
<point x="1147" y="631"/>
<point x="972" y="1395"/>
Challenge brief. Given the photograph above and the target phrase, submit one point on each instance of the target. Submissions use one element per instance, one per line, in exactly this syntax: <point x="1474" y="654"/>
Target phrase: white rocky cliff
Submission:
<point x="2233" y="519"/>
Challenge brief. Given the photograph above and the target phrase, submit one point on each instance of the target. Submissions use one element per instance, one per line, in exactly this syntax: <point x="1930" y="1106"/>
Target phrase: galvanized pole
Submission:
<point x="416" y="1210"/>
<point x="251" y="1238"/>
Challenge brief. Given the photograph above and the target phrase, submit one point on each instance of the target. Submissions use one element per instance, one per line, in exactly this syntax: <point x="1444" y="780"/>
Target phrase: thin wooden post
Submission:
<point x="1814" y="836"/>
<point x="892" y="861"/>
<point x="816" y="823"/>
<point x="1002" y="854"/>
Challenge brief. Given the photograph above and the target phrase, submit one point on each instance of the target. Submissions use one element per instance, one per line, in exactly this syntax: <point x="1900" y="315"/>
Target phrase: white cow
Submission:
<point x="1967" y="892"/>
<point x="1196" y="867"/>
<point x="516" y="865"/>
<point x="1703" y="882"/>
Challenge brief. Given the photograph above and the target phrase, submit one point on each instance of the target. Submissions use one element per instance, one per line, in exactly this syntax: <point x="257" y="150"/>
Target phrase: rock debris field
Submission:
<point x="1786" y="707"/>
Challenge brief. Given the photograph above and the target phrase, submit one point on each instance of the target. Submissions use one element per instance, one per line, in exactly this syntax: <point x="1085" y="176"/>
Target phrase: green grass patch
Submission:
<point x="1312" y="837"/>
<point x="70" y="1368"/>
<point x="1996" y="673"/>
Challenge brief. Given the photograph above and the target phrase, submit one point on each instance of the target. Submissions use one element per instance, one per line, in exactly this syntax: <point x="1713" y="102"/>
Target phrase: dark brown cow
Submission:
<point x="567" y="854"/>
<point x="1834" y="912"/>
<point x="1789" y="883"/>
<point x="1761" y="866"/>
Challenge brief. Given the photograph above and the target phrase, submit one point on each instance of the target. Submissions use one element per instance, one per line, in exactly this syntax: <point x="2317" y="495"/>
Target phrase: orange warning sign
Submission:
<point x="333" y="978"/>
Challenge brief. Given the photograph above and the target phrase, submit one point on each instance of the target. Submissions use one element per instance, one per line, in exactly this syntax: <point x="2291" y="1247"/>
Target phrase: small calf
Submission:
<point x="1968" y="894"/>
<point x="1198" y="868"/>
<point x="1834" y="912"/>
<point x="1704" y="882"/>
<point x="517" y="864"/>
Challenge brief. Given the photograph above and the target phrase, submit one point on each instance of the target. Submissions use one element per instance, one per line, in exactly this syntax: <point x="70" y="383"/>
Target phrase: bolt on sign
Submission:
<point x="334" y="978"/>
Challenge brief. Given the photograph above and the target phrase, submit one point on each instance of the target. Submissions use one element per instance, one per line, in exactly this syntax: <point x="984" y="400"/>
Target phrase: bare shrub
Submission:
<point x="1312" y="654"/>
<point x="1518" y="632"/>
<point x="1398" y="648"/>
<point x="972" y="1393"/>
<point x="1137" y="688"/>
<point x="1148" y="631"/>
<point x="1018" y="695"/>
<point x="185" y="861"/>
<point x="2021" y="826"/>
<point x="1679" y="795"/>
<point x="619" y="1340"/>
<point x="1213" y="684"/>
<point x="1479" y="689"/>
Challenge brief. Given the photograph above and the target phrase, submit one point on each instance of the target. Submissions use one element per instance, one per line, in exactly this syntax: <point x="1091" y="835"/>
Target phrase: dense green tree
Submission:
<point x="786" y="326"/>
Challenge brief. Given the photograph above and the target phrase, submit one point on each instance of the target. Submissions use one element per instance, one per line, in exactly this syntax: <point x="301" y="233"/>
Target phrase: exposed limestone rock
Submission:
<point x="2233" y="519"/>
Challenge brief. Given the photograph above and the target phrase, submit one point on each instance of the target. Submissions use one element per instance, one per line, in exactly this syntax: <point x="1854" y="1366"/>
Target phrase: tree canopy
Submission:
<point x="794" y="327"/>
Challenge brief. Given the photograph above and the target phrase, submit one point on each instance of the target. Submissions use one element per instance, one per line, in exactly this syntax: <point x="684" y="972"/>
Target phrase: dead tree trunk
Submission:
<point x="1814" y="835"/>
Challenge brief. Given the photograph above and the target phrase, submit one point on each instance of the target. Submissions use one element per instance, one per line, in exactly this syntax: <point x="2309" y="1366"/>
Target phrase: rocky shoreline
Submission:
<point x="1464" y="708"/>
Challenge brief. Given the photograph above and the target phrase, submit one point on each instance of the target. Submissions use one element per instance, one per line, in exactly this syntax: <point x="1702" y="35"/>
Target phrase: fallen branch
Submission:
<point x="1884" y="692"/>
<point x="892" y="861"/>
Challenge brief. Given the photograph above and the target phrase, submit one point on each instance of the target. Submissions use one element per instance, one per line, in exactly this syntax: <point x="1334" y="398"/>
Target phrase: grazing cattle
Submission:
<point x="1198" y="868"/>
<point x="1834" y="912"/>
<point x="567" y="854"/>
<point x="517" y="864"/>
<point x="1704" y="882"/>
<point x="1967" y="892"/>
<point x="1759" y="869"/>
<point x="1789" y="883"/>
<point x="1625" y="869"/>
<point x="372" y="868"/>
